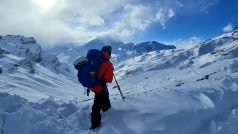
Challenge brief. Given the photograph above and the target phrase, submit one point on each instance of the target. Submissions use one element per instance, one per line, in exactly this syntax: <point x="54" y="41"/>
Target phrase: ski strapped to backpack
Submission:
<point x="88" y="68"/>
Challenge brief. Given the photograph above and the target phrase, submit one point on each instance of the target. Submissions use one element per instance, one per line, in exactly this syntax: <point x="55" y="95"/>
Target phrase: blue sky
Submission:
<point x="179" y="22"/>
<point x="201" y="25"/>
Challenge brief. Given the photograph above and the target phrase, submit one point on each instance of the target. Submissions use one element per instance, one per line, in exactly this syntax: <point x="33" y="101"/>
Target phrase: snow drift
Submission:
<point x="190" y="90"/>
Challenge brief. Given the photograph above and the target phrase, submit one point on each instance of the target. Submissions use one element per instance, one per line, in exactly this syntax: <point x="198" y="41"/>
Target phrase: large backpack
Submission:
<point x="88" y="68"/>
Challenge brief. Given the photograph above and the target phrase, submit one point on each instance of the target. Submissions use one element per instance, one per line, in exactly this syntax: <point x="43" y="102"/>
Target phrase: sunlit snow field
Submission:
<point x="191" y="90"/>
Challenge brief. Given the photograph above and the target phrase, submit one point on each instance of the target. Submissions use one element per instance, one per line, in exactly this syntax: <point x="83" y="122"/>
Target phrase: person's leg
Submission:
<point x="96" y="108"/>
<point x="106" y="104"/>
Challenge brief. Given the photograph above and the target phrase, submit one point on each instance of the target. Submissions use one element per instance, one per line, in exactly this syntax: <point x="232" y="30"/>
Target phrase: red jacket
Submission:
<point x="105" y="72"/>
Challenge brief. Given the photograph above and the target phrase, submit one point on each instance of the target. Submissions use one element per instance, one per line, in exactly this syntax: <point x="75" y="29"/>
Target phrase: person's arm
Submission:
<point x="106" y="72"/>
<point x="109" y="72"/>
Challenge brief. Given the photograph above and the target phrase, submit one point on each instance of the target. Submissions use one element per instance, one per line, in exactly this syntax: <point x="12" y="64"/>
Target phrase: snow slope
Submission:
<point x="207" y="106"/>
<point x="30" y="73"/>
<point x="190" y="90"/>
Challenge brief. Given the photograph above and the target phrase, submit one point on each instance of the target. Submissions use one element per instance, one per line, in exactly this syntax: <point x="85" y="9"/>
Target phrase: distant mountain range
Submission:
<point x="121" y="51"/>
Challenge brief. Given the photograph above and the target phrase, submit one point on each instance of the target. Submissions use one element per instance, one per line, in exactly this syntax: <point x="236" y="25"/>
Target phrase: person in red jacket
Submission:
<point x="101" y="99"/>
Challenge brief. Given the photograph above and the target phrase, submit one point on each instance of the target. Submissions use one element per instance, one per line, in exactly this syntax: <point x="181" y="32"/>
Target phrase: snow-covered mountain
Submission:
<point x="31" y="53"/>
<point x="22" y="47"/>
<point x="68" y="52"/>
<point x="149" y="46"/>
<point x="208" y="52"/>
<point x="120" y="48"/>
<point x="190" y="90"/>
<point x="29" y="72"/>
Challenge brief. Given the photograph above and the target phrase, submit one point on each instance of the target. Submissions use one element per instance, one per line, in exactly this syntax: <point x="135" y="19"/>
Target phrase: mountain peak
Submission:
<point x="97" y="43"/>
<point x="235" y="28"/>
<point x="19" y="39"/>
<point x="151" y="46"/>
<point x="106" y="40"/>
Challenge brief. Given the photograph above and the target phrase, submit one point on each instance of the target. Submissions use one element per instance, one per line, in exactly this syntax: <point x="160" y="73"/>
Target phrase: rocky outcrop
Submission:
<point x="25" y="47"/>
<point x="145" y="47"/>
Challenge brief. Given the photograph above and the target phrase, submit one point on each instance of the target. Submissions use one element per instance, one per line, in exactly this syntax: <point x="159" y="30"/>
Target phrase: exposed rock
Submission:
<point x="27" y="64"/>
<point x="29" y="40"/>
<point x="149" y="46"/>
<point x="25" y="47"/>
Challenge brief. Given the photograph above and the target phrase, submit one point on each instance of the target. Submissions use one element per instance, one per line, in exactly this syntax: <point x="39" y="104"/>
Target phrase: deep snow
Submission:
<point x="190" y="90"/>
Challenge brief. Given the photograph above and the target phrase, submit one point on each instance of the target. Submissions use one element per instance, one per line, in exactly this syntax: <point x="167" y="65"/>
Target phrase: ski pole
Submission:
<point x="123" y="97"/>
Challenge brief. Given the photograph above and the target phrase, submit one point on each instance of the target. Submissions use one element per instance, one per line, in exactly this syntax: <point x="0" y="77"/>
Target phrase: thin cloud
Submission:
<point x="164" y="15"/>
<point x="228" y="27"/>
<point x="191" y="41"/>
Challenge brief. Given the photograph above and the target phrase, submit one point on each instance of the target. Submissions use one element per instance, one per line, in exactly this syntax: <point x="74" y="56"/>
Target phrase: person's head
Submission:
<point x="107" y="51"/>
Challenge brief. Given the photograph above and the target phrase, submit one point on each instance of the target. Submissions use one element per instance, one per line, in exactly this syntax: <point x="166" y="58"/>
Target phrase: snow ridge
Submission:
<point x="186" y="90"/>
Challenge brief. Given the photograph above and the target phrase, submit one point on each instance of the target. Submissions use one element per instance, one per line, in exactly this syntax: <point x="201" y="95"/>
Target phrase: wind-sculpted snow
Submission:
<point x="18" y="116"/>
<point x="174" y="100"/>
<point x="198" y="107"/>
<point x="191" y="90"/>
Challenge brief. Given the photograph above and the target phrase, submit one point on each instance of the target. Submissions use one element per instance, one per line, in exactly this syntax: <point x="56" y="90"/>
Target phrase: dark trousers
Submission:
<point x="101" y="102"/>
